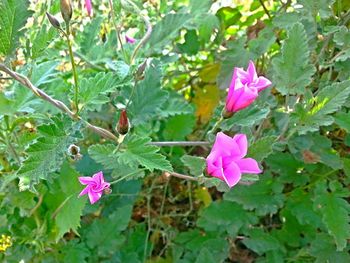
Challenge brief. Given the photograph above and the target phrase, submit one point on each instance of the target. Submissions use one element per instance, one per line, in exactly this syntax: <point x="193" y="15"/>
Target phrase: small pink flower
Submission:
<point x="244" y="88"/>
<point x="88" y="7"/>
<point x="95" y="186"/>
<point x="130" y="40"/>
<point x="226" y="161"/>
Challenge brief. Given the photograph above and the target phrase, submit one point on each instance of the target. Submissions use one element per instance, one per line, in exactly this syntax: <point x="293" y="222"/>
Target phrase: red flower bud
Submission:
<point x="66" y="10"/>
<point x="123" y="123"/>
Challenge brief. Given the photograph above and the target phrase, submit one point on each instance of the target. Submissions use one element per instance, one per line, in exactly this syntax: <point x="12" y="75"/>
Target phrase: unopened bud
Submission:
<point x="123" y="123"/>
<point x="140" y="70"/>
<point x="74" y="152"/>
<point x="53" y="21"/>
<point x="66" y="10"/>
<point x="226" y="114"/>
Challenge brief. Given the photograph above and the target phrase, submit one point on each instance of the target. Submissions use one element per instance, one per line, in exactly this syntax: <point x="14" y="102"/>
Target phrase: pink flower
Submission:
<point x="88" y="7"/>
<point x="244" y="88"/>
<point x="130" y="40"/>
<point x="226" y="161"/>
<point x="95" y="185"/>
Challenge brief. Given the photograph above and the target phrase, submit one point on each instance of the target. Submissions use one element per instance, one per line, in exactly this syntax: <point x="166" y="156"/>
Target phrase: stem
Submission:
<point x="131" y="94"/>
<point x="75" y="75"/>
<point x="146" y="36"/>
<point x="126" y="176"/>
<point x="265" y="9"/>
<point x="59" y="208"/>
<point x="117" y="30"/>
<point x="182" y="176"/>
<point x="180" y="143"/>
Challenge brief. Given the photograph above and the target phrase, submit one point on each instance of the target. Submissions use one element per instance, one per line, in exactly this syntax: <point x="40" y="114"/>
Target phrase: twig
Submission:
<point x="146" y="36"/>
<point x="117" y="29"/>
<point x="182" y="176"/>
<point x="57" y="103"/>
<point x="180" y="143"/>
<point x="59" y="208"/>
<point x="36" y="206"/>
<point x="265" y="9"/>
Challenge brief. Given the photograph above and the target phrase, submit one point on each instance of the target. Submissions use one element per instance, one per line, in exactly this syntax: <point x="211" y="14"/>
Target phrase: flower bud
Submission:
<point x="123" y="123"/>
<point x="226" y="114"/>
<point x="107" y="191"/>
<point x="53" y="21"/>
<point x="140" y="70"/>
<point x="74" y="152"/>
<point x="66" y="10"/>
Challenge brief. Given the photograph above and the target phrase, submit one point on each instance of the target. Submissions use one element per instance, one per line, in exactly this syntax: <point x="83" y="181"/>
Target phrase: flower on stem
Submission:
<point x="88" y="7"/>
<point x="130" y="40"/>
<point x="226" y="160"/>
<point x="66" y="10"/>
<point x="244" y="88"/>
<point x="95" y="186"/>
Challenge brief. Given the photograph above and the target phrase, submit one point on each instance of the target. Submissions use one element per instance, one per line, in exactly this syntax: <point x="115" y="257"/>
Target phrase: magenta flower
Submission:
<point x="244" y="88"/>
<point x="88" y="7"/>
<point x="226" y="161"/>
<point x="95" y="185"/>
<point x="130" y="40"/>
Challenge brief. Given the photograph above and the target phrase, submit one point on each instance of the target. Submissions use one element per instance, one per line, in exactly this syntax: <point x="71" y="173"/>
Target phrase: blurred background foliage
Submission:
<point x="296" y="211"/>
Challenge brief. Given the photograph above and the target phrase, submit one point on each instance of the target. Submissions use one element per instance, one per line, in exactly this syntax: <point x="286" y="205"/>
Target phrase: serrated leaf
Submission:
<point x="148" y="97"/>
<point x="335" y="215"/>
<point x="194" y="163"/>
<point x="93" y="91"/>
<point x="288" y="78"/>
<point x="317" y="110"/>
<point x="246" y="117"/>
<point x="104" y="155"/>
<point x="42" y="40"/>
<point x="65" y="201"/>
<point x="139" y="152"/>
<point x="178" y="127"/>
<point x="176" y="106"/>
<point x="46" y="154"/>
<point x="261" y="242"/>
<point x="265" y="196"/>
<point x="165" y="31"/>
<point x="14" y="14"/>
<point x="262" y="148"/>
<point x="225" y="216"/>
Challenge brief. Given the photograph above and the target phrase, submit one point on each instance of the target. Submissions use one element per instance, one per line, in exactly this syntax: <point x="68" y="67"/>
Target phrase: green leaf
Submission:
<point x="342" y="120"/>
<point x="335" y="215"/>
<point x="178" y="127"/>
<point x="225" y="216"/>
<point x="75" y="252"/>
<point x="261" y="242"/>
<point x="246" y="117"/>
<point x="18" y="100"/>
<point x="316" y="112"/>
<point x="191" y="45"/>
<point x="288" y="78"/>
<point x="148" y="97"/>
<point x="46" y="154"/>
<point x="104" y="155"/>
<point x="14" y="14"/>
<point x="93" y="91"/>
<point x="42" y="40"/>
<point x="165" y="31"/>
<point x="199" y="7"/>
<point x="65" y="202"/>
<point x="205" y="256"/>
<point x="318" y="7"/>
<point x="176" y="106"/>
<point x="194" y="163"/>
<point x="265" y="196"/>
<point x="139" y="152"/>
<point x="262" y="148"/>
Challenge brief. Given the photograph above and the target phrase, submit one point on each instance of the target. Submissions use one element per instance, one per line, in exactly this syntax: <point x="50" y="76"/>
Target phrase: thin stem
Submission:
<point x="75" y="75"/>
<point x="265" y="9"/>
<point x="181" y="176"/>
<point x="146" y="36"/>
<point x="180" y="143"/>
<point x="126" y="176"/>
<point x="117" y="30"/>
<point x="59" y="208"/>
<point x="132" y="94"/>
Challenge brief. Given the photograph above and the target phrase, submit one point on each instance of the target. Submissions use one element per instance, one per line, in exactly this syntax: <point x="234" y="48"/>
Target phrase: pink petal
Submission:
<point x="242" y="142"/>
<point x="232" y="174"/>
<point x="248" y="165"/>
<point x="85" y="191"/>
<point x="130" y="40"/>
<point x="94" y="197"/>
<point x="214" y="161"/>
<point x="242" y="75"/>
<point x="234" y="92"/>
<point x="262" y="83"/>
<point x="98" y="178"/>
<point x="251" y="71"/>
<point x="244" y="99"/>
<point x="88" y="7"/>
<point x="223" y="144"/>
<point x="85" y="180"/>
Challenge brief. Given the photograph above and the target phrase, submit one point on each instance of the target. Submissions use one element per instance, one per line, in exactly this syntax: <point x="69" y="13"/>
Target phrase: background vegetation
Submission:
<point x="296" y="211"/>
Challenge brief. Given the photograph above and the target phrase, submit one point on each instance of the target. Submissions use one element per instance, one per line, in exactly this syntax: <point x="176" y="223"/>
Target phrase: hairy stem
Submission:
<point x="74" y="70"/>
<point x="117" y="29"/>
<point x="180" y="143"/>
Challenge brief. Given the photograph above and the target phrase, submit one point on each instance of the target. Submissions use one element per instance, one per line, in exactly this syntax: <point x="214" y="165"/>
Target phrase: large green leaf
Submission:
<point x="261" y="242"/>
<point x="65" y="202"/>
<point x="165" y="31"/>
<point x="293" y="70"/>
<point x="93" y="91"/>
<point x="316" y="111"/>
<point x="46" y="154"/>
<point x="42" y="40"/>
<point x="335" y="213"/>
<point x="148" y="97"/>
<point x="139" y="152"/>
<point x="14" y="14"/>
<point x="262" y="148"/>
<point x="194" y="163"/>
